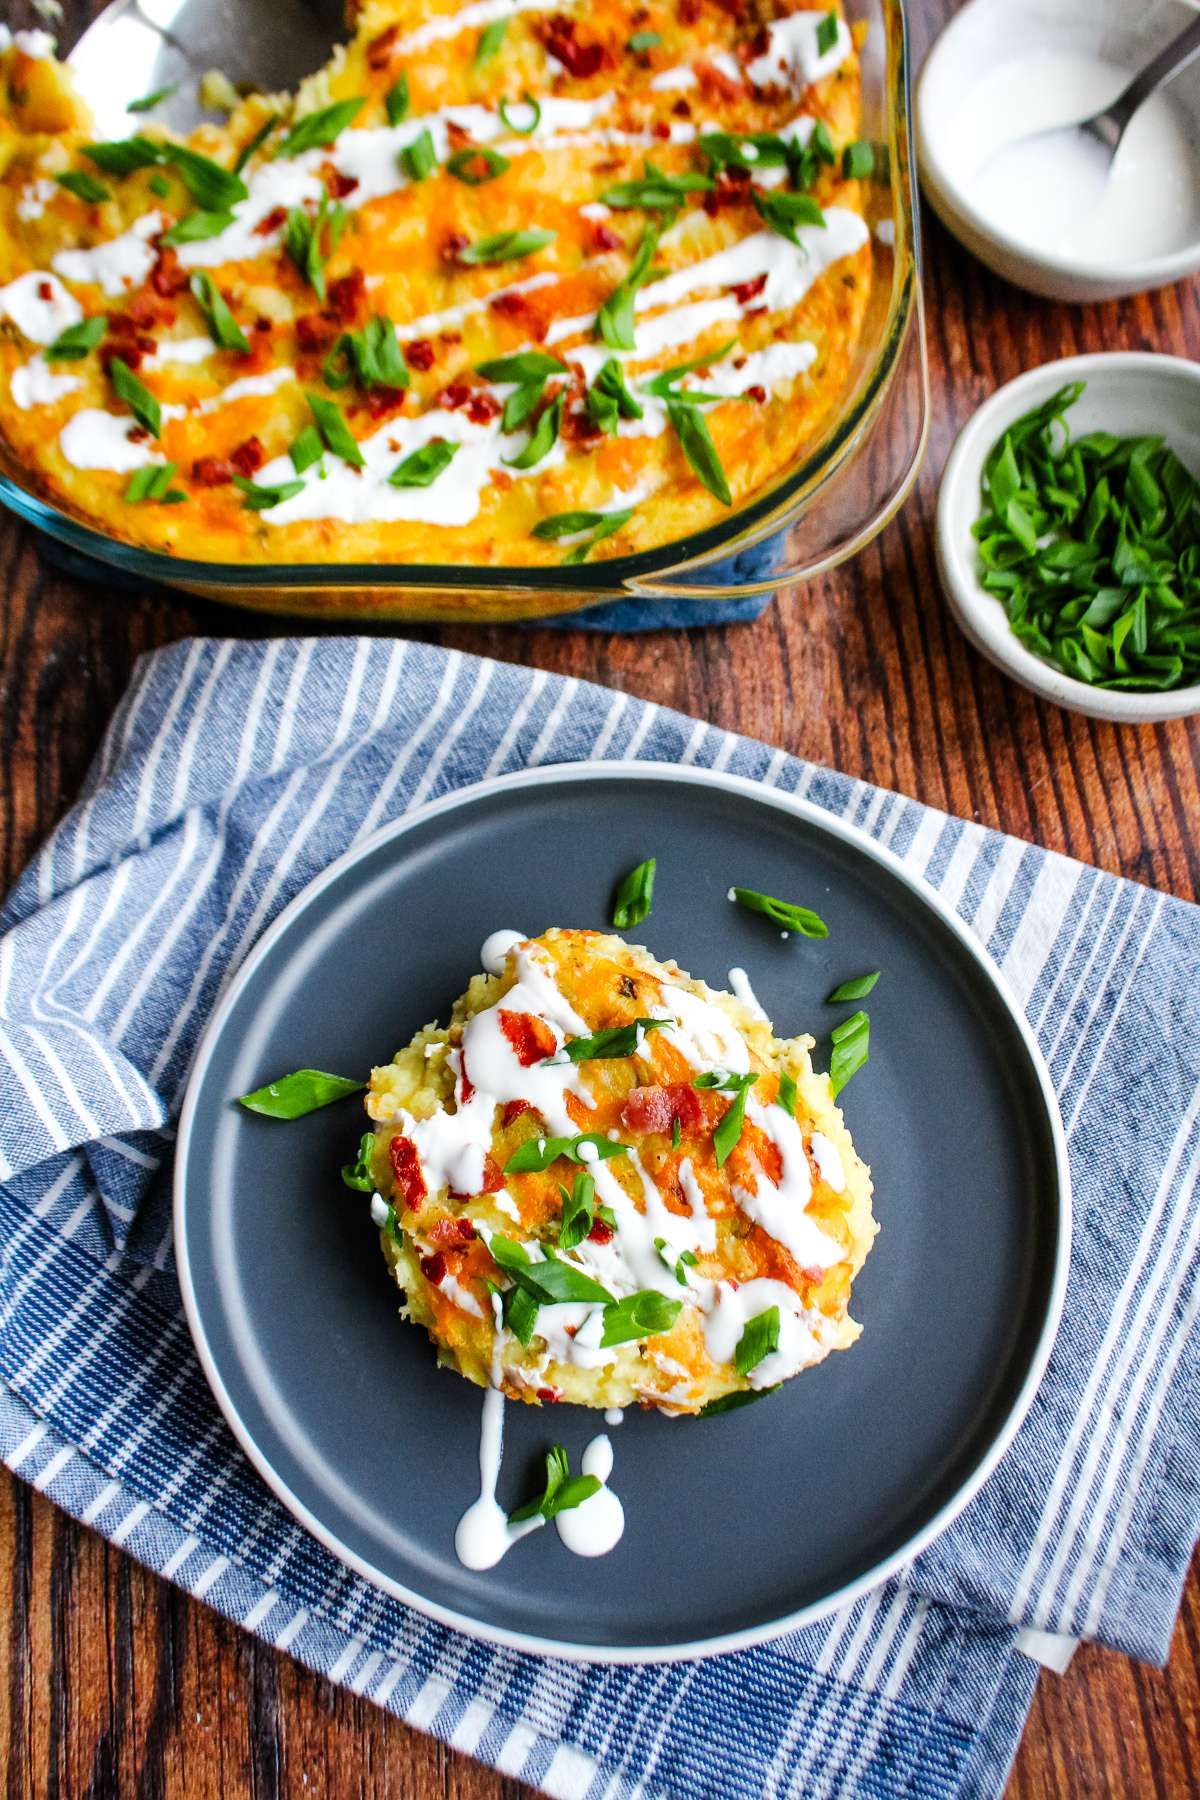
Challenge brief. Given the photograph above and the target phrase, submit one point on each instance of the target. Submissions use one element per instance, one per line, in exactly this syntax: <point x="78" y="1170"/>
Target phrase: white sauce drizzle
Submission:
<point x="476" y="15"/>
<point x="801" y="1334"/>
<point x="595" y="1527"/>
<point x="35" y="384"/>
<point x="670" y="81"/>
<point x="792" y="58"/>
<point x="496" y="946"/>
<point x="41" y="317"/>
<point x="739" y="983"/>
<point x="92" y="439"/>
<point x="181" y="350"/>
<point x="122" y="263"/>
<point x="828" y="1161"/>
<point x="35" y="198"/>
<point x="614" y="1415"/>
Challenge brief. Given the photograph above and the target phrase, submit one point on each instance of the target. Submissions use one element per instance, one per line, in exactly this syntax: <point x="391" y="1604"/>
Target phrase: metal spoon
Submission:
<point x="1108" y="127"/>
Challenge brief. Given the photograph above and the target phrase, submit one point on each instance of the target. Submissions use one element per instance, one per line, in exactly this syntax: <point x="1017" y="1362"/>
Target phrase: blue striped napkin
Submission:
<point x="234" y="772"/>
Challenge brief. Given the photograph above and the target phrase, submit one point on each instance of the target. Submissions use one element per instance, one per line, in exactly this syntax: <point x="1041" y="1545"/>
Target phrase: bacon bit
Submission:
<point x="661" y="129"/>
<point x="745" y="291"/>
<point x="248" y="457"/>
<point x="657" y="1108"/>
<point x="513" y="1110"/>
<point x="605" y="238"/>
<point x="689" y="11"/>
<point x="271" y="221"/>
<point x="759" y="44"/>
<point x="483" y="408"/>
<point x="452" y="1231"/>
<point x="549" y="1396"/>
<point x="466" y="1087"/>
<point x="449" y="337"/>
<point x="458" y="137"/>
<point x="262" y="323"/>
<point x="753" y="312"/>
<point x="508" y="303"/>
<point x="453" y="242"/>
<point x="600" y="1232"/>
<point x="454" y="396"/>
<point x="757" y="394"/>
<point x="337" y="185"/>
<point x="433" y="1268"/>
<point x="733" y="186"/>
<point x="578" y="426"/>
<point x="382" y="401"/>
<point x="531" y="1038"/>
<point x="682" y="108"/>
<point x="211" y="471"/>
<point x="379" y="50"/>
<point x="315" y="332"/>
<point x="419" y="354"/>
<point x="166" y="277"/>
<point x="138" y="435"/>
<point x="579" y="60"/>
<point x="143" y="313"/>
<point x="406" y="1167"/>
<point x="348" y="296"/>
<point x="45" y="291"/>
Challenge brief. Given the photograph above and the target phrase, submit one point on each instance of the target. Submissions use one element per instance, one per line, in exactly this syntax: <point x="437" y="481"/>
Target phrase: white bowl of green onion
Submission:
<point x="1068" y="534"/>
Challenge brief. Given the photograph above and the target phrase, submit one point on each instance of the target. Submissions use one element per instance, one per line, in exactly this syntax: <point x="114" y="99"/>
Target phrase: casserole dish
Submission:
<point x="803" y="521"/>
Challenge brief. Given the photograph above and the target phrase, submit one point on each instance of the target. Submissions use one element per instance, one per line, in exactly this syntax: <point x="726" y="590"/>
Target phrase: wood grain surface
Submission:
<point x="114" y="1683"/>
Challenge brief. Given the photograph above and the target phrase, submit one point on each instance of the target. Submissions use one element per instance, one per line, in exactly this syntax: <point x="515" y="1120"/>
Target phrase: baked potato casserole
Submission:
<point x="605" y="1183"/>
<point x="507" y="283"/>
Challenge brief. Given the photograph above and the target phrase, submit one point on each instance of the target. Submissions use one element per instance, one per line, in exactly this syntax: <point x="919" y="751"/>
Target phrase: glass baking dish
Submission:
<point x="834" y="499"/>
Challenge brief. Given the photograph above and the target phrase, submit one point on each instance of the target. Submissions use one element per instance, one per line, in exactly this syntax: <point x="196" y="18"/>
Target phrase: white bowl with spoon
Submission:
<point x="1048" y="206"/>
<point x="1130" y="394"/>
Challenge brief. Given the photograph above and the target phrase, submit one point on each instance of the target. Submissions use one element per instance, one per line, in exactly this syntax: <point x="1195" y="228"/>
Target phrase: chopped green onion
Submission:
<point x="396" y="101"/>
<point x="851" y="1049"/>
<point x="731" y="1402"/>
<point x="578" y="1213"/>
<point x="598" y="526"/>
<point x="858" y="161"/>
<point x="678" y="1265"/>
<point x="158" y="184"/>
<point x="123" y="156"/>
<point x="371" y="357"/>
<point x="656" y="192"/>
<point x="305" y="240"/>
<point x="419" y="159"/>
<point x="540" y="1152"/>
<point x="857" y="989"/>
<point x="640" y="1315"/>
<point x="729" y="1129"/>
<point x="476" y="164"/>
<point x="153" y="482"/>
<point x="634" y="895"/>
<point x="785" y="212"/>
<point x="528" y="100"/>
<point x="620" y="1040"/>
<point x="782" y="912"/>
<point x="506" y="246"/>
<point x="644" y="40"/>
<point x="213" y="188"/>
<point x="358" y="1173"/>
<point x="84" y="186"/>
<point x="306" y="450"/>
<point x="255" y="143"/>
<point x="136" y="395"/>
<point x="421" y="468"/>
<point x="149" y="101"/>
<point x="827" y="32"/>
<point x="551" y="1282"/>
<point x="759" y="1339"/>
<point x="786" y="1097"/>
<point x="542" y="439"/>
<point x="676" y="1133"/>
<point x="339" y="440"/>
<point x="561" y="1493"/>
<point x="320" y="128"/>
<point x="291" y="1096"/>
<point x="73" y="344"/>
<point x="609" y="399"/>
<point x="194" y="227"/>
<point x="259" y="498"/>
<point x="225" y="330"/>
<point x="615" y="319"/>
<point x="490" y="40"/>
<point x="691" y="428"/>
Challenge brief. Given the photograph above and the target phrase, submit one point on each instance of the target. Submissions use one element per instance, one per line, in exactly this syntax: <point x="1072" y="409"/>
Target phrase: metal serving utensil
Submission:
<point x="136" y="47"/>
<point x="1109" y="126"/>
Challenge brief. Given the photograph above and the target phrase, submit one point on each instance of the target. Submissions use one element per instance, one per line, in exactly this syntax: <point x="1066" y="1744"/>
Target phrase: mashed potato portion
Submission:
<point x="606" y="1183"/>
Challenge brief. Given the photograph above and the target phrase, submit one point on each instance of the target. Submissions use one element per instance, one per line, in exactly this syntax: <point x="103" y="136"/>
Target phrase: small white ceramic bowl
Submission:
<point x="1128" y="393"/>
<point x="954" y="137"/>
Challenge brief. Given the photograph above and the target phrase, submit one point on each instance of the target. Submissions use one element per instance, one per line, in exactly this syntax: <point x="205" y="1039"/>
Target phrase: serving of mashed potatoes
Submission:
<point x="606" y="1183"/>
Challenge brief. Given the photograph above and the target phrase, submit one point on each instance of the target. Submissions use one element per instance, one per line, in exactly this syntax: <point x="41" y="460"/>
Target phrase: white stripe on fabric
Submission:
<point x="997" y="890"/>
<point x="1079" y="986"/>
<point x="1051" y="897"/>
<point x="292" y="1629"/>
<point x="377" y="810"/>
<point x="210" y="1577"/>
<point x="55" y="1466"/>
<point x="27" y="1445"/>
<point x="516" y="724"/>
<point x="179" y="1556"/>
<point x="691" y="749"/>
<point x="342" y="1665"/>
<point x="641" y="732"/>
<point x="514" y="1752"/>
<point x="1120" y="1418"/>
<point x="570" y="1774"/>
<point x="1088" y="1405"/>
<point x="426" y="1702"/>
<point x="261" y="1610"/>
<point x="437" y="761"/>
<point x="129" y="1524"/>
<point x="471" y="1727"/>
<point x="549" y="731"/>
<point x="1114" y="1013"/>
<point x="616" y="712"/>
<point x="101" y="1501"/>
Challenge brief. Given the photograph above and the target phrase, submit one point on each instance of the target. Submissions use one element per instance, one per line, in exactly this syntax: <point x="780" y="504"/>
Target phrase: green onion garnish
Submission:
<point x="857" y="989"/>
<point x="490" y="40"/>
<point x="224" y="328"/>
<point x="419" y="159"/>
<point x="358" y="1173"/>
<point x="73" y="344"/>
<point x="598" y="526"/>
<point x="542" y="439"/>
<point x="540" y="1152"/>
<point x="306" y="450"/>
<point x="301" y="1092"/>
<point x="421" y="468"/>
<point x="396" y="102"/>
<point x="506" y="246"/>
<point x="562" y="1492"/>
<point x="84" y="186"/>
<point x="534" y="106"/>
<point x="800" y="919"/>
<point x="858" y="161"/>
<point x="759" y="1338"/>
<point x="259" y="498"/>
<point x="785" y="212"/>
<point x="371" y="358"/>
<point x="621" y="1040"/>
<point x="827" y="32"/>
<point x="644" y="40"/>
<point x="154" y="483"/>
<point x="476" y="164"/>
<point x="335" y="433"/>
<point x="851" y="1049"/>
<point x="634" y="895"/>
<point x="320" y="128"/>
<point x="136" y="395"/>
<point x="640" y="1315"/>
<point x="149" y="101"/>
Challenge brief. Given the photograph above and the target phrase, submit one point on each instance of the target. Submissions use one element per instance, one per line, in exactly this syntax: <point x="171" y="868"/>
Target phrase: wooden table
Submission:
<point x="117" y="1683"/>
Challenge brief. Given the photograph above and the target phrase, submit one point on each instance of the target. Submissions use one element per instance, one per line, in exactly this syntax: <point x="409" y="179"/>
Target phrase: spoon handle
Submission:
<point x="1170" y="60"/>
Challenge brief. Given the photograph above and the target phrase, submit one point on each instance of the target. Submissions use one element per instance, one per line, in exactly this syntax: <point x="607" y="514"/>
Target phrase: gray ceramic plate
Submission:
<point x="819" y="1490"/>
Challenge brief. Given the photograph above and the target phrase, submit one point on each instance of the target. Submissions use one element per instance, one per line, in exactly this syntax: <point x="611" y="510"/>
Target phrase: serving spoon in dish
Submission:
<point x="138" y="47"/>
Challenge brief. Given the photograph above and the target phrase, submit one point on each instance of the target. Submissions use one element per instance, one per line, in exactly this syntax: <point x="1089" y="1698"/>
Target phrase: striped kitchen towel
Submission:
<point x="230" y="776"/>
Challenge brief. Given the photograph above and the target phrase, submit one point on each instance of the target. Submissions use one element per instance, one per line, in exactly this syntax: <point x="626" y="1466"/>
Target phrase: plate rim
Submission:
<point x="798" y="806"/>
